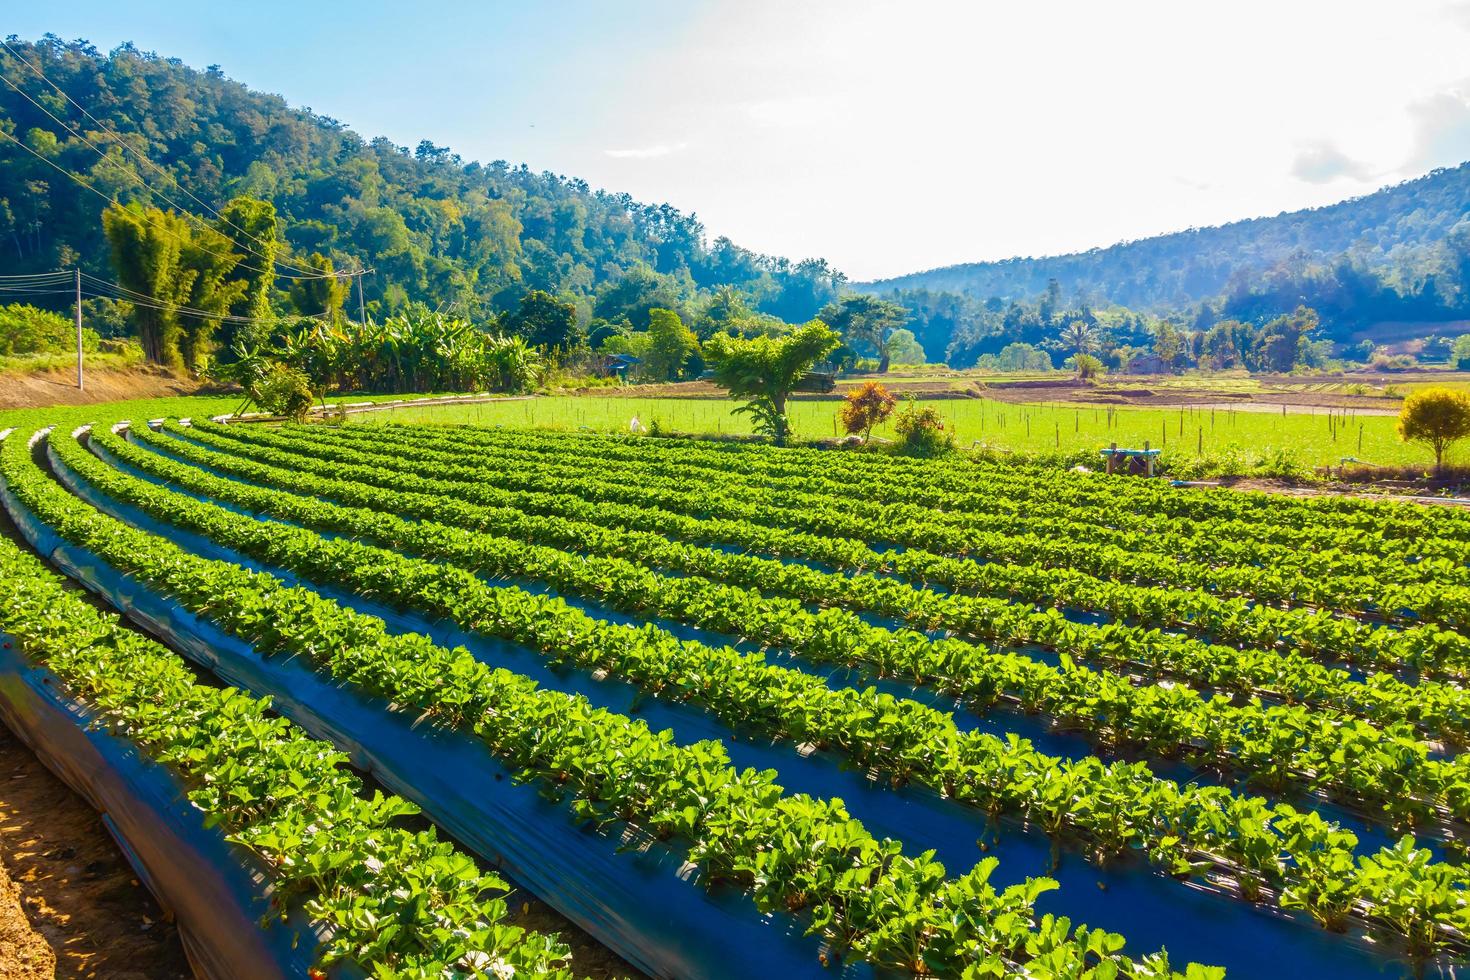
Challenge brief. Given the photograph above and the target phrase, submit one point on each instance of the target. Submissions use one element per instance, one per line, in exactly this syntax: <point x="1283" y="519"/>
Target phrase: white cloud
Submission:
<point x="1441" y="129"/>
<point x="646" y="152"/>
<point x="1321" y="162"/>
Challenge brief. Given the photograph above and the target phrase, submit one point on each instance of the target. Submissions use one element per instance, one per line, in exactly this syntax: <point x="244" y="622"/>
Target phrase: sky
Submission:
<point x="886" y="137"/>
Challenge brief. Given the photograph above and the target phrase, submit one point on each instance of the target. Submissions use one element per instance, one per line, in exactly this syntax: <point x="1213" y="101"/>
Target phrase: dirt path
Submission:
<point x="83" y="907"/>
<point x="24" y="952"/>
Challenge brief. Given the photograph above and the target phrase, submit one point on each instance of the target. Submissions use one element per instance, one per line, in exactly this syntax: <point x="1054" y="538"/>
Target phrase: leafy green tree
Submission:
<point x="545" y="321"/>
<point x="157" y="253"/>
<point x="1460" y="352"/>
<point x="327" y="294"/>
<point x="1437" y="417"/>
<point x="866" y="320"/>
<point x="1016" y="357"/>
<point x="253" y="231"/>
<point x="904" y="349"/>
<point x="147" y="251"/>
<point x="763" y="371"/>
<point x="670" y="346"/>
<point x="1168" y="345"/>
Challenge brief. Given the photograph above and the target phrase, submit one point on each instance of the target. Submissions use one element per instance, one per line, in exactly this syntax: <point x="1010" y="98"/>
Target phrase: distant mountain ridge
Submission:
<point x="1382" y="230"/>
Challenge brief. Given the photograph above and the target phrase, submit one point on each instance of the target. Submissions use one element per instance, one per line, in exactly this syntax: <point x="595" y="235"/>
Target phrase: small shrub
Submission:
<point x="284" y="391"/>
<point x="921" y="431"/>
<point x="866" y="407"/>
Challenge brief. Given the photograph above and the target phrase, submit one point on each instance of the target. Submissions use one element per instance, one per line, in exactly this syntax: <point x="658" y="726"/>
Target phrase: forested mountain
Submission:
<point x="1400" y="253"/>
<point x="505" y="248"/>
<point x="472" y="237"/>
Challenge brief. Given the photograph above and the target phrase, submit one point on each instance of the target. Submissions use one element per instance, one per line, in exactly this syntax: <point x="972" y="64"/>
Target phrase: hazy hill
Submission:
<point x="1393" y="232"/>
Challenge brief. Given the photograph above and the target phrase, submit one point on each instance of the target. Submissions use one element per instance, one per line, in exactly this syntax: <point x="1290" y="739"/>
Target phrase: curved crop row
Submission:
<point x="863" y="894"/>
<point x="1449" y="605"/>
<point x="1426" y="648"/>
<point x="614" y="574"/>
<point x="984" y="488"/>
<point x="910" y="525"/>
<point x="1316" y="550"/>
<point x="1185" y="829"/>
<point x="960" y="472"/>
<point x="393" y="900"/>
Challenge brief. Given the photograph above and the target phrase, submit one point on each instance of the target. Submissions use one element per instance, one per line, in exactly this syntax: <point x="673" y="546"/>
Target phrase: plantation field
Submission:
<point x="1315" y="439"/>
<point x="735" y="709"/>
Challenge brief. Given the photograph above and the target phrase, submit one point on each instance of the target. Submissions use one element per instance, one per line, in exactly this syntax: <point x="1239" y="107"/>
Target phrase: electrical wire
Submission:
<point x="116" y="138"/>
<point x="109" y="200"/>
<point x="111" y="290"/>
<point x="134" y="176"/>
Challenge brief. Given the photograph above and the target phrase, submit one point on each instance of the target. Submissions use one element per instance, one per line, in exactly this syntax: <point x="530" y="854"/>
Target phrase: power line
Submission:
<point x="130" y="174"/>
<point x="116" y="138"/>
<point x="111" y="290"/>
<point x="96" y="287"/>
<point x="109" y="200"/>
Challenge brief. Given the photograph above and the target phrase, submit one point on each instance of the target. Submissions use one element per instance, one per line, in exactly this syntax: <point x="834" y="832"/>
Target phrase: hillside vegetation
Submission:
<point x="1400" y="253"/>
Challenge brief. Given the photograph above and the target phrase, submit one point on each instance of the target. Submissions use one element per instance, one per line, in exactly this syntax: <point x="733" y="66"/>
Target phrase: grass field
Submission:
<point x="1316" y="439"/>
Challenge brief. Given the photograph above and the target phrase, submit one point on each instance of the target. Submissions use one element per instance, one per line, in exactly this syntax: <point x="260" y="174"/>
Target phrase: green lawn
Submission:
<point x="1316" y="439"/>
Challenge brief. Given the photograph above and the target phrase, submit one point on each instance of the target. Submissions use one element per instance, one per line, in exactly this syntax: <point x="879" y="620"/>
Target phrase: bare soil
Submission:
<point x="24" y="952"/>
<point x="80" y="899"/>
<point x="46" y="388"/>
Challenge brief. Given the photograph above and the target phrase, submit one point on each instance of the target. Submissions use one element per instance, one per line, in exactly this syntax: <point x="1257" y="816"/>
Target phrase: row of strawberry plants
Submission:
<point x="615" y="574"/>
<point x="905" y="523"/>
<point x="1112" y="807"/>
<point x="1443" y="604"/>
<point x="983" y="496"/>
<point x="1426" y="648"/>
<point x="961" y="472"/>
<point x="393" y="900"/>
<point x="862" y="893"/>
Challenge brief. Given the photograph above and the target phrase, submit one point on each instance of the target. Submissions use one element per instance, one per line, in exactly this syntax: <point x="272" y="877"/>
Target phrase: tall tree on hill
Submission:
<point x="251" y="226"/>
<point x="868" y="320"/>
<point x="545" y="321"/>
<point x="159" y="255"/>
<point x="328" y="294"/>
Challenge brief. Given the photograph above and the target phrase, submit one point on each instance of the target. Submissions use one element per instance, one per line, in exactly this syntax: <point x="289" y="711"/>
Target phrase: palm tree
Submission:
<point x="1080" y="337"/>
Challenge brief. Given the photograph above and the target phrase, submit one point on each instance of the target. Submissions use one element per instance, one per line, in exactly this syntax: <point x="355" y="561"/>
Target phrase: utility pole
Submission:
<point x="361" y="309"/>
<point x="79" y="328"/>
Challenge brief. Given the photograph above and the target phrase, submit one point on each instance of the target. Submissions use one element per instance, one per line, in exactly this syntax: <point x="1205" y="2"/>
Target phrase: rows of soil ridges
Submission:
<point x="626" y="704"/>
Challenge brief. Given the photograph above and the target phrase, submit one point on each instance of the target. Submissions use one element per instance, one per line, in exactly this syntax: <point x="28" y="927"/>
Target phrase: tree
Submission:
<point x="1167" y="343"/>
<point x="313" y="297"/>
<point x="252" y="229"/>
<point x="1087" y="366"/>
<point x="545" y="321"/>
<point x="146" y="247"/>
<point x="157" y="254"/>
<point x="1438" y="417"/>
<point x="867" y="320"/>
<point x="763" y="371"/>
<point x="1460" y="352"/>
<point x="670" y="345"/>
<point x="903" y="348"/>
<point x="866" y="407"/>
<point x="1079" y="337"/>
